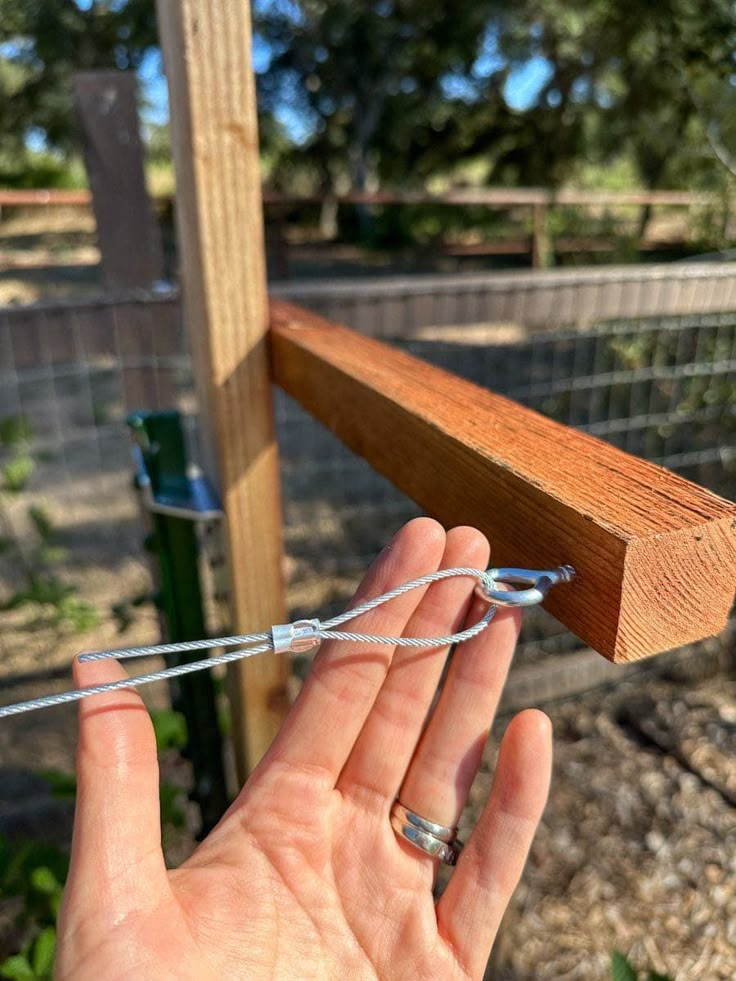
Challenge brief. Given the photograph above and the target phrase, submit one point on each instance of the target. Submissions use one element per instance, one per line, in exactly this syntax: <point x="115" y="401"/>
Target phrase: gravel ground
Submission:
<point x="637" y="849"/>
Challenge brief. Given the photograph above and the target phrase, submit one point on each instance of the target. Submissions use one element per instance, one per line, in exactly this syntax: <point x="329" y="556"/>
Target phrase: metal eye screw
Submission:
<point x="539" y="583"/>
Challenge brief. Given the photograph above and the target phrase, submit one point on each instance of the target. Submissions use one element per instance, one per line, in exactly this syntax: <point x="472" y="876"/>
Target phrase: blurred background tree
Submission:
<point x="411" y="92"/>
<point x="404" y="90"/>
<point x="42" y="44"/>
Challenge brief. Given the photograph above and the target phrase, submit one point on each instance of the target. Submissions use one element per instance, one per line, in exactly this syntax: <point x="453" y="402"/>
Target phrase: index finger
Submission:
<point x="345" y="679"/>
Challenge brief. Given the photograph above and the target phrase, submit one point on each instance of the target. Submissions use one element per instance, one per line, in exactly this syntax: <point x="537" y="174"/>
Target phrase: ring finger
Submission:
<point x="449" y="753"/>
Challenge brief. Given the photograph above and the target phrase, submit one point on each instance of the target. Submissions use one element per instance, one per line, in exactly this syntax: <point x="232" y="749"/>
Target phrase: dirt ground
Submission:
<point x="47" y="253"/>
<point x="637" y="848"/>
<point x="50" y="252"/>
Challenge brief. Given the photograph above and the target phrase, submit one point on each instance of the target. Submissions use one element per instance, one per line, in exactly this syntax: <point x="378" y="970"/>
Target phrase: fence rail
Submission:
<point x="393" y="306"/>
<point x="533" y="237"/>
<point x="493" y="197"/>
<point x="662" y="387"/>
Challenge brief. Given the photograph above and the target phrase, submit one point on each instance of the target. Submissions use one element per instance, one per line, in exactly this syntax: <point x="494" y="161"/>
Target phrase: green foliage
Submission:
<point x="406" y="92"/>
<point x="401" y="93"/>
<point x="16" y="473"/>
<point x="18" y="968"/>
<point x="44" y="948"/>
<point x="172" y="815"/>
<point x="356" y="73"/>
<point x="14" y="430"/>
<point x="62" y="785"/>
<point x="41" y="522"/>
<point x="43" y="43"/>
<point x="35" y="560"/>
<point x="23" y="168"/>
<point x="622" y="970"/>
<point x="34" y="872"/>
<point x="77" y="614"/>
<point x="56" y="597"/>
<point x="17" y="464"/>
<point x="170" y="728"/>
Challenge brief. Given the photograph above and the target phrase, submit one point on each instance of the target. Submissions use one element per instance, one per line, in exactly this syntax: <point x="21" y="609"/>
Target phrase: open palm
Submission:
<point x="304" y="877"/>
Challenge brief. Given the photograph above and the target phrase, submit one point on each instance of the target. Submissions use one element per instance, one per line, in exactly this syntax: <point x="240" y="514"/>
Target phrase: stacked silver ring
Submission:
<point x="438" y="840"/>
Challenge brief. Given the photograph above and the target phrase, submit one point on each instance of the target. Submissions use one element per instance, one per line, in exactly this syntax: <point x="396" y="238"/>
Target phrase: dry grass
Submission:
<point x="47" y="253"/>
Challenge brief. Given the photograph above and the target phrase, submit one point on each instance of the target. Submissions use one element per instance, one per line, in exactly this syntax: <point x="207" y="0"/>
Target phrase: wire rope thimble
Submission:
<point x="538" y="583"/>
<point x="296" y="638"/>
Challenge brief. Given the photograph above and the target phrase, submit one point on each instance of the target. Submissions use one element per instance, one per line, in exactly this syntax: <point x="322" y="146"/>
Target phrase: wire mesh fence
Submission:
<point x="661" y="387"/>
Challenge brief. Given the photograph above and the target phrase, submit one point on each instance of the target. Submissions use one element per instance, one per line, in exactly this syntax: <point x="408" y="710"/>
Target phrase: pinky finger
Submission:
<point x="471" y="908"/>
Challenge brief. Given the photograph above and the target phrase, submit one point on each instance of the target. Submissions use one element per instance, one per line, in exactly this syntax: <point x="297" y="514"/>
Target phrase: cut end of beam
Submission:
<point x="679" y="585"/>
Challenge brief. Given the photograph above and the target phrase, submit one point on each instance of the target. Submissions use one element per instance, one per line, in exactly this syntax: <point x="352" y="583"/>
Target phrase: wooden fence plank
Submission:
<point x="206" y="47"/>
<point x="655" y="554"/>
<point x="501" y="197"/>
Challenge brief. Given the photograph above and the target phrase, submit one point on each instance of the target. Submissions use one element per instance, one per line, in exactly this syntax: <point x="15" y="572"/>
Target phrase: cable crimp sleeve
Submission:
<point x="296" y="638"/>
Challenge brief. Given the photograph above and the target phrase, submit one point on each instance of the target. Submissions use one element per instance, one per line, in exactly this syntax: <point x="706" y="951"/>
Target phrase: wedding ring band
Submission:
<point x="414" y="829"/>
<point x="442" y="831"/>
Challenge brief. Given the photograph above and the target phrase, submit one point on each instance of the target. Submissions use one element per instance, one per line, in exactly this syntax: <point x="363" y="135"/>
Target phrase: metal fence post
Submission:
<point x="176" y="502"/>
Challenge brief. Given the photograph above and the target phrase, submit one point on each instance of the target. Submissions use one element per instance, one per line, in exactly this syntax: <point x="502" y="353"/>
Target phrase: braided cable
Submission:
<point x="263" y="642"/>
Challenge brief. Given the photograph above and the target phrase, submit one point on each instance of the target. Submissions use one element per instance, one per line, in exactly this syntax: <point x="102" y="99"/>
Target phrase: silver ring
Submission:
<point x="442" y="831"/>
<point x="445" y="851"/>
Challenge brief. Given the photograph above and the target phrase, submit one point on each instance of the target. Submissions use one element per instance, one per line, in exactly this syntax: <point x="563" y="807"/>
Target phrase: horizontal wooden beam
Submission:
<point x="655" y="554"/>
<point x="40" y="196"/>
<point x="500" y="197"/>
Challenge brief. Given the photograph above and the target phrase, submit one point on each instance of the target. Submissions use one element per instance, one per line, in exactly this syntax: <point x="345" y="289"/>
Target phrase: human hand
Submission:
<point x="304" y="877"/>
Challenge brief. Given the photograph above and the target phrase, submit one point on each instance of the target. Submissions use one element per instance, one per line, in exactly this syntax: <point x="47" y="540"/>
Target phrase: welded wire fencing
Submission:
<point x="663" y="387"/>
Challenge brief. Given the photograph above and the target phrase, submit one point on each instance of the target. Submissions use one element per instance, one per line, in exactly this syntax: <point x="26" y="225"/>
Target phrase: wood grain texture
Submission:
<point x="127" y="232"/>
<point x="655" y="554"/>
<point x="207" y="55"/>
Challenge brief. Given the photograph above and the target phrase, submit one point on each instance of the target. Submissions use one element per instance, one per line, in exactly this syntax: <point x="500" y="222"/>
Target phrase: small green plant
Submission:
<point x="17" y="463"/>
<point x="41" y="586"/>
<point x="35" y="557"/>
<point x="35" y="873"/>
<point x="36" y="960"/>
<point x="17" y="472"/>
<point x="170" y="728"/>
<point x="623" y="970"/>
<point x="172" y="815"/>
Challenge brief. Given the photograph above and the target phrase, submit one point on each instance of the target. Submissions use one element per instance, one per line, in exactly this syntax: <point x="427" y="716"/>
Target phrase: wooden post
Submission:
<point x="655" y="555"/>
<point x="206" y="45"/>
<point x="127" y="232"/>
<point x="541" y="251"/>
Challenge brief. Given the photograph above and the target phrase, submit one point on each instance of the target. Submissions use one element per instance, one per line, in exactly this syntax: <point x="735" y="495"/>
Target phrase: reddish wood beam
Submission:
<point x="655" y="554"/>
<point x="502" y="197"/>
<point x="33" y="197"/>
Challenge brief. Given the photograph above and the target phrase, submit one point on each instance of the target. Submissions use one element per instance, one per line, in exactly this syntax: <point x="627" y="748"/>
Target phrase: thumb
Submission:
<point x="117" y="864"/>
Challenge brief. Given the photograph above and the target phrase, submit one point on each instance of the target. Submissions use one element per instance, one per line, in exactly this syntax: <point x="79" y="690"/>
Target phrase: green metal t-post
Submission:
<point x="168" y="491"/>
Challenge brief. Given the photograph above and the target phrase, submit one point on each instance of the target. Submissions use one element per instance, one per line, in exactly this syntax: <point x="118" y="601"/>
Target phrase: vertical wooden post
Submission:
<point x="541" y="251"/>
<point x="207" y="54"/>
<point x="127" y="232"/>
